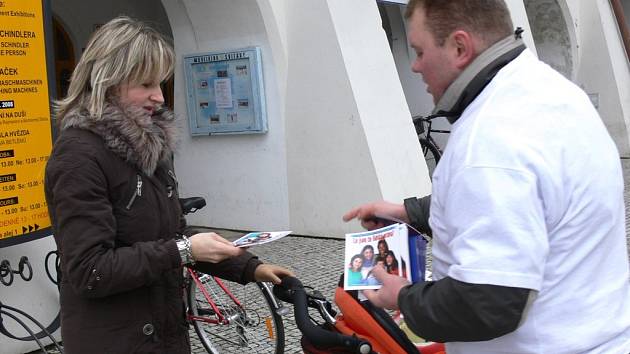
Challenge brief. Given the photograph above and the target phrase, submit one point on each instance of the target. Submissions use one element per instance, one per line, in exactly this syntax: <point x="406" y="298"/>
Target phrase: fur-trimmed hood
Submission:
<point x="131" y="134"/>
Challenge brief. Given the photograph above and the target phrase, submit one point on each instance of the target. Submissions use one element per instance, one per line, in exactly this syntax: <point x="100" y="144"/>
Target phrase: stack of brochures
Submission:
<point x="397" y="247"/>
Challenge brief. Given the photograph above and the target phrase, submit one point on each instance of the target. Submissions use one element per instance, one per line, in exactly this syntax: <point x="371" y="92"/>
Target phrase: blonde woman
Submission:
<point x="113" y="200"/>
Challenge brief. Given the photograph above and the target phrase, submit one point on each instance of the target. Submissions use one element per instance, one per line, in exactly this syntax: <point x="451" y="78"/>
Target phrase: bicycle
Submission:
<point x="430" y="149"/>
<point x="229" y="317"/>
<point x="360" y="328"/>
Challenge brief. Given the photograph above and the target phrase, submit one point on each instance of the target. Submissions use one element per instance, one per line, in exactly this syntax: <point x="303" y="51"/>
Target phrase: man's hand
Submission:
<point x="387" y="295"/>
<point x="210" y="247"/>
<point x="272" y="273"/>
<point x="374" y="215"/>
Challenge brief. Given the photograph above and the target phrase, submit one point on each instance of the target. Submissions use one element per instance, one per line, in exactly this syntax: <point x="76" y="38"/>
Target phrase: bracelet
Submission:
<point x="184" y="247"/>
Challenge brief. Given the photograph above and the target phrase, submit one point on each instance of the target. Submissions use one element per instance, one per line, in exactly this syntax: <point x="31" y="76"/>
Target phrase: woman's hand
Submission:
<point x="272" y="273"/>
<point x="210" y="247"/>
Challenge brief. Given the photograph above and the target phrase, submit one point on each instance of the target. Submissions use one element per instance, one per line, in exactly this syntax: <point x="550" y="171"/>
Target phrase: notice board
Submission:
<point x="25" y="120"/>
<point x="225" y="92"/>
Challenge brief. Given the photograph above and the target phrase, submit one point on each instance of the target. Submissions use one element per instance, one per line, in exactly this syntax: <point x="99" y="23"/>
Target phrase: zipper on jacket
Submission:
<point x="137" y="193"/>
<point x="171" y="188"/>
<point x="172" y="174"/>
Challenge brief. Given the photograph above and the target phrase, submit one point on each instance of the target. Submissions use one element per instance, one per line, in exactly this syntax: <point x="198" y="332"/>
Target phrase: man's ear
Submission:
<point x="465" y="48"/>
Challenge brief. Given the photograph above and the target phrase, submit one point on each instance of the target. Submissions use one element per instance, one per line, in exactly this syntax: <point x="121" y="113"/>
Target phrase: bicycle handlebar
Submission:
<point x="292" y="291"/>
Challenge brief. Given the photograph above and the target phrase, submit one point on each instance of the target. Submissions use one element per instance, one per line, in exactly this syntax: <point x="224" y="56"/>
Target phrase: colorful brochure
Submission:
<point x="258" y="238"/>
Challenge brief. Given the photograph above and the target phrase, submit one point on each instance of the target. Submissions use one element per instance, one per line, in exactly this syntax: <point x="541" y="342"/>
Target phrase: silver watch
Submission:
<point x="185" y="250"/>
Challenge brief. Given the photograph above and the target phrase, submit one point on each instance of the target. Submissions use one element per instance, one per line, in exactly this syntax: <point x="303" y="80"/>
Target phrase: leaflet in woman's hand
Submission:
<point x="258" y="238"/>
<point x="387" y="246"/>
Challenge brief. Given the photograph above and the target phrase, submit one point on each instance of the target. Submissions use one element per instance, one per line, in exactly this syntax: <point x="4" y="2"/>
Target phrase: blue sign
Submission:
<point x="225" y="92"/>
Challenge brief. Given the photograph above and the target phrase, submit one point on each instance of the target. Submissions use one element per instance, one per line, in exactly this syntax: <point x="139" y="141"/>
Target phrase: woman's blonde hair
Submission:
<point x="124" y="50"/>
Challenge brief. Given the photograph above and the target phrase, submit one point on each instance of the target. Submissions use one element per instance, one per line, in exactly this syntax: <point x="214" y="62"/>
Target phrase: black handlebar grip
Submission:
<point x="319" y="337"/>
<point x="285" y="290"/>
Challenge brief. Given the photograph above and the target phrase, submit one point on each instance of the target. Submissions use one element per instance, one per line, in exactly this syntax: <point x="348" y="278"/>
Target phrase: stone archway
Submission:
<point x="553" y="34"/>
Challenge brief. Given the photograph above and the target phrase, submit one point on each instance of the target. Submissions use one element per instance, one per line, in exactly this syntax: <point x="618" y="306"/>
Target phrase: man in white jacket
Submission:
<point x="527" y="211"/>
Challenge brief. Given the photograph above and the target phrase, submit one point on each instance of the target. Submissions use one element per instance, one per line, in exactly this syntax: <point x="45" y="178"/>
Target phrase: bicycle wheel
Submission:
<point x="252" y="327"/>
<point x="431" y="154"/>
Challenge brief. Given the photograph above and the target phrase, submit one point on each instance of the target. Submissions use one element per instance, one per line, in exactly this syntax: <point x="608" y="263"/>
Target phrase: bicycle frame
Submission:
<point x="190" y="205"/>
<point x="220" y="319"/>
<point x="419" y="121"/>
<point x="237" y="321"/>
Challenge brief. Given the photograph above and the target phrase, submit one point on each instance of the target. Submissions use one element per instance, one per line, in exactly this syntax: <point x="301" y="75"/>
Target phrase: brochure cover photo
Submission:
<point x="258" y="238"/>
<point x="387" y="246"/>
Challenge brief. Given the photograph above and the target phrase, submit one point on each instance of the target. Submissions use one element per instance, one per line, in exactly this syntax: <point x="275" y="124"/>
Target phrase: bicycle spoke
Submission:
<point x="241" y="332"/>
<point x="251" y="327"/>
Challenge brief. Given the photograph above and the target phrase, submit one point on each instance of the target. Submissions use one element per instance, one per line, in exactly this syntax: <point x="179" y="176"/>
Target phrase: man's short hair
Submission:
<point x="488" y="19"/>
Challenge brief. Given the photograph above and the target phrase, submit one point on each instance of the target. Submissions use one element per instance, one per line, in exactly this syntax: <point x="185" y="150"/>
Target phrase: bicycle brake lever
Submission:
<point x="315" y="295"/>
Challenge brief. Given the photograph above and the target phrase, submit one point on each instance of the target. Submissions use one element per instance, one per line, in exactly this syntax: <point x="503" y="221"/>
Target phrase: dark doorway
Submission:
<point x="64" y="57"/>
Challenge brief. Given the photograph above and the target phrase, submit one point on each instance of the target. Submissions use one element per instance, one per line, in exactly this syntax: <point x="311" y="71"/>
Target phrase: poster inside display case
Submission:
<point x="225" y="92"/>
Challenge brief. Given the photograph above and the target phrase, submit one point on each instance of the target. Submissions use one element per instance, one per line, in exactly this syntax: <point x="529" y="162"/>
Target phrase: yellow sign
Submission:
<point x="25" y="129"/>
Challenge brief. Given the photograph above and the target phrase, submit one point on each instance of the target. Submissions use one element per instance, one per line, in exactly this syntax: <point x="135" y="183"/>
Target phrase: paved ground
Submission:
<point x="318" y="262"/>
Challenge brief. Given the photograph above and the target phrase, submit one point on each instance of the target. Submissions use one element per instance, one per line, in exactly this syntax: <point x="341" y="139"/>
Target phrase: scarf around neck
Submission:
<point x="469" y="84"/>
<point x="141" y="140"/>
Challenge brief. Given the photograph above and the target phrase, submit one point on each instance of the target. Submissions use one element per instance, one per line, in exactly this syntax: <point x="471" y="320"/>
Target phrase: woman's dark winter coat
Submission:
<point x="112" y="197"/>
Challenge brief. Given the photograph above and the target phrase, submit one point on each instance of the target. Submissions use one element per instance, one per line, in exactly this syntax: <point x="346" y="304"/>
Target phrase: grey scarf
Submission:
<point x="140" y="140"/>
<point x="477" y="76"/>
